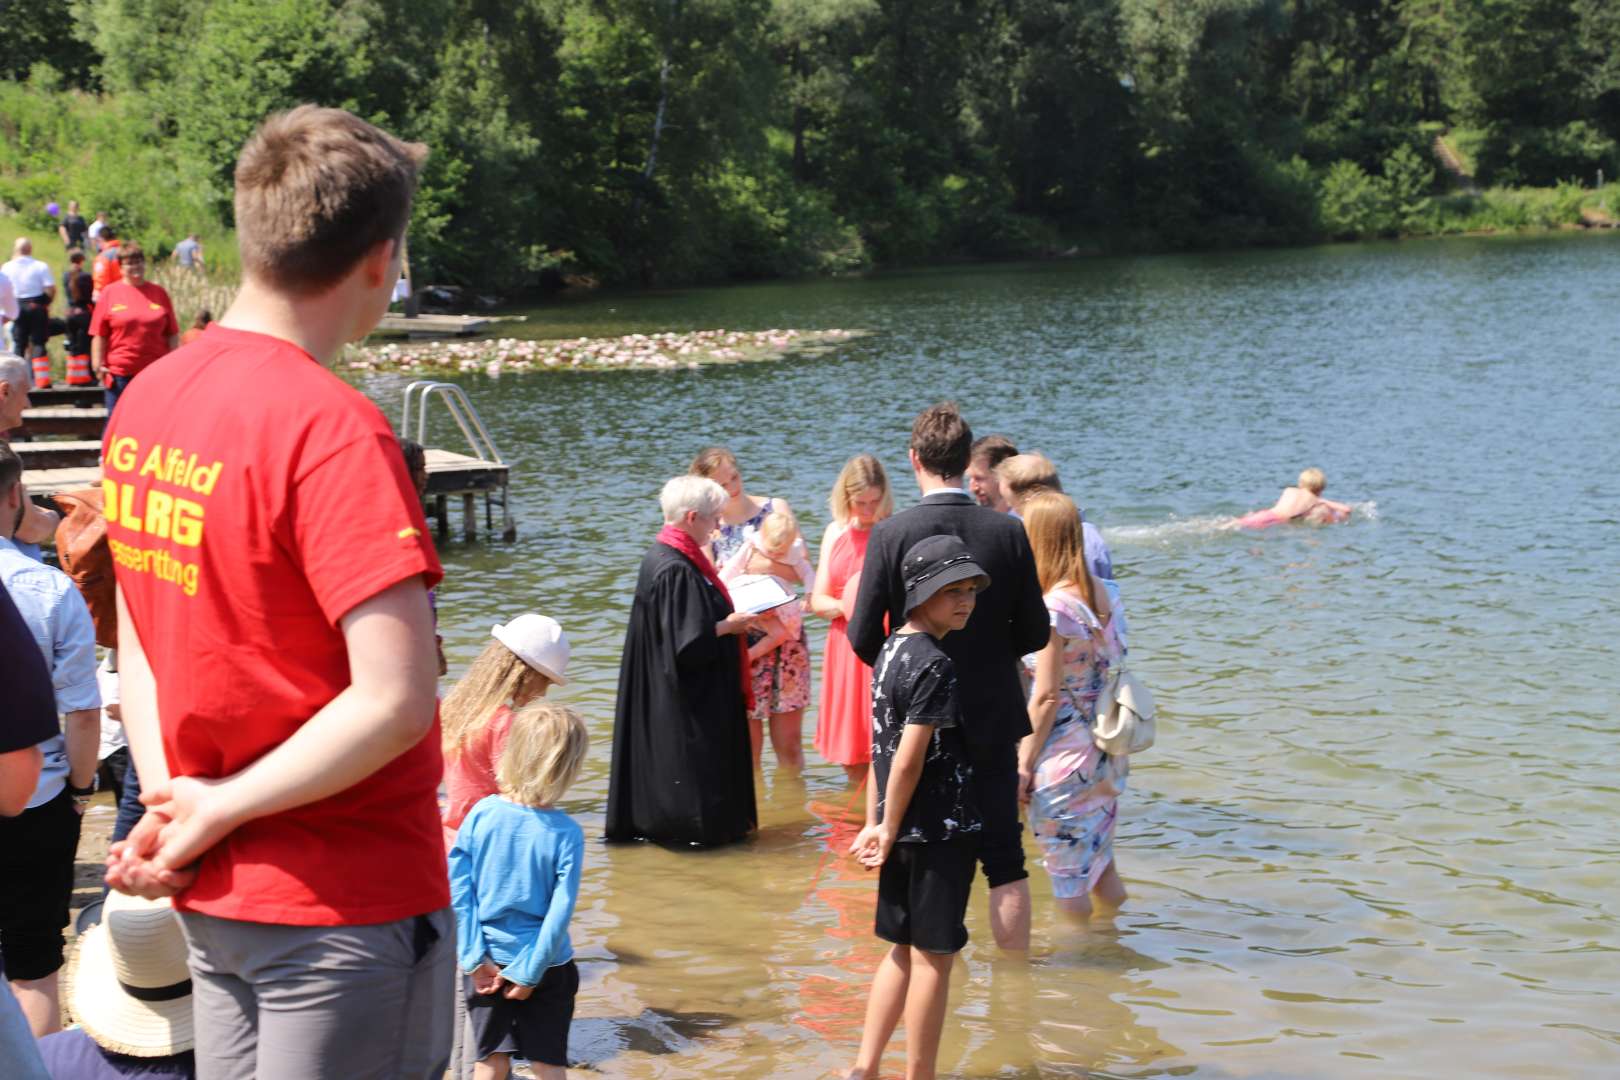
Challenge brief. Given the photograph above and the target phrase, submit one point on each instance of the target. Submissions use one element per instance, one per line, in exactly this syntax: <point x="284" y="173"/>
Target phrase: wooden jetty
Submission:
<point x="450" y="476"/>
<point x="435" y="326"/>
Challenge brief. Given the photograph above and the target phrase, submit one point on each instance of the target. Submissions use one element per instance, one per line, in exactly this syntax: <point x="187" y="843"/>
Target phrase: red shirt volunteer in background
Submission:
<point x="137" y="321"/>
<point x="239" y="551"/>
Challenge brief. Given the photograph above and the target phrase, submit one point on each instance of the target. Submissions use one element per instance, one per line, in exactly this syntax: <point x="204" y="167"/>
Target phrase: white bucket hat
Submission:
<point x="539" y="641"/>
<point x="132" y="990"/>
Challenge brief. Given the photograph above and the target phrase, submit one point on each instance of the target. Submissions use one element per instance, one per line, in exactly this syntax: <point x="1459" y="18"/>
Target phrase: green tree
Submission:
<point x="252" y="58"/>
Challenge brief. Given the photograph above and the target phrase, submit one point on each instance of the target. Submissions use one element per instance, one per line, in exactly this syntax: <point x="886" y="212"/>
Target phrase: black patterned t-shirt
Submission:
<point x="914" y="682"/>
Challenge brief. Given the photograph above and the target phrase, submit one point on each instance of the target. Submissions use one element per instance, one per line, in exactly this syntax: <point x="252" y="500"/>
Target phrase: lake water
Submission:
<point x="1378" y="834"/>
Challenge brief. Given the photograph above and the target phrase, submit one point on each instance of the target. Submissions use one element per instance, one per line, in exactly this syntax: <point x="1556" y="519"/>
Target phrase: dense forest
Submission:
<point x="673" y="140"/>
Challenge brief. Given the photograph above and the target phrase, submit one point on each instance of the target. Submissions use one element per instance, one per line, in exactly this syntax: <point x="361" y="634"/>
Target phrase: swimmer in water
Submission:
<point x="1302" y="504"/>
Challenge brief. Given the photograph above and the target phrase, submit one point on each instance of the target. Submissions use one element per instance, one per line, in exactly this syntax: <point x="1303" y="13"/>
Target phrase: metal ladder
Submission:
<point x="479" y="441"/>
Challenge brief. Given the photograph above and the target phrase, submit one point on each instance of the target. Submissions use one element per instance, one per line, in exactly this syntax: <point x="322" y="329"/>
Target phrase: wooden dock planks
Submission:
<point x="431" y="326"/>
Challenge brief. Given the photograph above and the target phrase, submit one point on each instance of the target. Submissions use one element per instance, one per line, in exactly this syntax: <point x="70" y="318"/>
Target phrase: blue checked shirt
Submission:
<point x="60" y="622"/>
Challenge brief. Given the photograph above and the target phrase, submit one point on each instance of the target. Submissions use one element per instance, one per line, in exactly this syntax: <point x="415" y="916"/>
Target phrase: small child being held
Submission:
<point x="778" y="655"/>
<point x="514" y="880"/>
<point x="922" y="825"/>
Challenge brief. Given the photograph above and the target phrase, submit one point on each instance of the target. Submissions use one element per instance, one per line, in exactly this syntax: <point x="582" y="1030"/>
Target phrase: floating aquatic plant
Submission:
<point x="666" y="351"/>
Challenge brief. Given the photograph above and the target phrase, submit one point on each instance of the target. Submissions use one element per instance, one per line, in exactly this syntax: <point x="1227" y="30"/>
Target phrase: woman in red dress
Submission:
<point x="860" y="499"/>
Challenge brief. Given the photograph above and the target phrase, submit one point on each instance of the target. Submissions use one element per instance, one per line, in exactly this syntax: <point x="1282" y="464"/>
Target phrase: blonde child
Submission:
<point x="523" y="660"/>
<point x="778" y="655"/>
<point x="514" y="880"/>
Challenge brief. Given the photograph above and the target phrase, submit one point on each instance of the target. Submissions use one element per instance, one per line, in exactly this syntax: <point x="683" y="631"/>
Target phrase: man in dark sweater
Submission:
<point x="1009" y="621"/>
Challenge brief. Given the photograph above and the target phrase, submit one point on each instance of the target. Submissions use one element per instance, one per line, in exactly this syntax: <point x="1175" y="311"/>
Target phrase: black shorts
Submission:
<point x="36" y="884"/>
<point x="923" y="895"/>
<point x="535" y="1028"/>
<point x="995" y="789"/>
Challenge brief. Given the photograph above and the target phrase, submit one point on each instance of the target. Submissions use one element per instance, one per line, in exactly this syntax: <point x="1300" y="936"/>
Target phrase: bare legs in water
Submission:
<point x="913" y="982"/>
<point x="787" y="739"/>
<point x="1109" y="895"/>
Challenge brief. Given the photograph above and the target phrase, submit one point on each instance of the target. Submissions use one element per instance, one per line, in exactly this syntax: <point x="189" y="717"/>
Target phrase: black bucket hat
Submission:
<point x="935" y="562"/>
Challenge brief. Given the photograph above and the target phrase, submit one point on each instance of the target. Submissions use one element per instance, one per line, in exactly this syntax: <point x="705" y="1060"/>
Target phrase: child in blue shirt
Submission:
<point x="514" y="879"/>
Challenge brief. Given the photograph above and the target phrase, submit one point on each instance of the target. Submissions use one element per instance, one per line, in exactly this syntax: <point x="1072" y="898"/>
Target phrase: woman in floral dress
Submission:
<point x="1074" y="798"/>
<point x="780" y="670"/>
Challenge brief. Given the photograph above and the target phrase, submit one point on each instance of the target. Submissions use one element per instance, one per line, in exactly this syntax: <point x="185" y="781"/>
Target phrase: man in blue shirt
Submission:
<point x="37" y="847"/>
<point x="29" y="716"/>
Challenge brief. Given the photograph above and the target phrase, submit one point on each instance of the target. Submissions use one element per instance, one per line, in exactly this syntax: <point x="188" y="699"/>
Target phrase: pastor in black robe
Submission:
<point x="682" y="764"/>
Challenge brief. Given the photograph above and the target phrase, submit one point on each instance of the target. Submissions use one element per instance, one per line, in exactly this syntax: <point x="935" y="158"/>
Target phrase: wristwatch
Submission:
<point x="82" y="795"/>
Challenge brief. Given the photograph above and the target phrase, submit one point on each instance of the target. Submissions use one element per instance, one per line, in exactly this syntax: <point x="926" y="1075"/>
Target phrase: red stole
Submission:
<point x="676" y="538"/>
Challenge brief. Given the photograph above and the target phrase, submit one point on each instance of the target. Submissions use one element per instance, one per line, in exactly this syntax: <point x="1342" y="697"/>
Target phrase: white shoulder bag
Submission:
<point x="1125" y="715"/>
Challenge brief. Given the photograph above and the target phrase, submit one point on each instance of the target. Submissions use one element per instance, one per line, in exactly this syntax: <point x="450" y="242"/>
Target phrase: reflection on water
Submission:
<point x="1376" y="835"/>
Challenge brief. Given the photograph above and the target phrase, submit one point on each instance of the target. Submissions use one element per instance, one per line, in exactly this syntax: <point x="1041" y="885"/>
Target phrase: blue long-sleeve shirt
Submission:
<point x="514" y="880"/>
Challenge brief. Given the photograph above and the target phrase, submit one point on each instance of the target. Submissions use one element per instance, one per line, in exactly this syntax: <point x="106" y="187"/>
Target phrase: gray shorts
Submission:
<point x="322" y="1002"/>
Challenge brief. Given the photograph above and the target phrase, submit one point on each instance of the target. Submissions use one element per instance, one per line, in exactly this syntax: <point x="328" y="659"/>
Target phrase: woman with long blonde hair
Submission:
<point x="524" y="659"/>
<point x="1073" y="799"/>
<point x="860" y="499"/>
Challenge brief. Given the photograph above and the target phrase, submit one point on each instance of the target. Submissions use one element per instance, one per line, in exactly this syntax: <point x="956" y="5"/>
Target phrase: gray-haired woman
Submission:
<point x="682" y="769"/>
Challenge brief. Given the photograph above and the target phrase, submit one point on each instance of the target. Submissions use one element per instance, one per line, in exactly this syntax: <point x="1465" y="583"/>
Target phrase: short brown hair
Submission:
<point x="316" y="189"/>
<point x="131" y="250"/>
<point x="709" y="460"/>
<point x="992" y="450"/>
<point x="942" y="439"/>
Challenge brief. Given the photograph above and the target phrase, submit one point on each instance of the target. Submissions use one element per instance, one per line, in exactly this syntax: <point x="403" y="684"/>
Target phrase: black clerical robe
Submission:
<point x="682" y="766"/>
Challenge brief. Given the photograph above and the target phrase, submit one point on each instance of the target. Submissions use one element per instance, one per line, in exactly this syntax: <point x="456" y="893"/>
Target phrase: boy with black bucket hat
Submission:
<point x="922" y="824"/>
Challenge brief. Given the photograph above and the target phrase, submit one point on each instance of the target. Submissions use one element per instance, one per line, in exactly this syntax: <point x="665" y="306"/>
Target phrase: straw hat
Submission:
<point x="538" y="641"/>
<point x="132" y="992"/>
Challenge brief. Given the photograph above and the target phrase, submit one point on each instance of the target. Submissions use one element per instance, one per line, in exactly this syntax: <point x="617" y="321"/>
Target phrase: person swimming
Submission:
<point x="1302" y="504"/>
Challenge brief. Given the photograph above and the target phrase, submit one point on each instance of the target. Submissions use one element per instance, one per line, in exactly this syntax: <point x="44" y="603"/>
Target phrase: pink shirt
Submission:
<point x="470" y="775"/>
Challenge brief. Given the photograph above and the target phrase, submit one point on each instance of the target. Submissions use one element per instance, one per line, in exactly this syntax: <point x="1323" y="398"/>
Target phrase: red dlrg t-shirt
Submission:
<point x="137" y="321"/>
<point x="252" y="500"/>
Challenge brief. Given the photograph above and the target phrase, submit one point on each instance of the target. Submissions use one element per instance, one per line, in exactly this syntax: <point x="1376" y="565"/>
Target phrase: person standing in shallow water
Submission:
<point x="742" y="513"/>
<point x="1074" y="788"/>
<point x="860" y="499"/>
<point x="1009" y="621"/>
<point x="682" y="770"/>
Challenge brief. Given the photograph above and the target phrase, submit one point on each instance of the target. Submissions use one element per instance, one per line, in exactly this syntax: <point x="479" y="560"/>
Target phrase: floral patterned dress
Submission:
<point x="1075" y="802"/>
<point x="781" y="678"/>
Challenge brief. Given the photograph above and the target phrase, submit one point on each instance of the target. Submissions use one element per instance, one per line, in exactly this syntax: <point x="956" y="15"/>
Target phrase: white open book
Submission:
<point x="755" y="593"/>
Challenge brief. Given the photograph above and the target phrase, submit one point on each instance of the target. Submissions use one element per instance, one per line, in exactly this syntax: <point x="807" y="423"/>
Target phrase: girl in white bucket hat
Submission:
<point x="131" y="995"/>
<point x="524" y="658"/>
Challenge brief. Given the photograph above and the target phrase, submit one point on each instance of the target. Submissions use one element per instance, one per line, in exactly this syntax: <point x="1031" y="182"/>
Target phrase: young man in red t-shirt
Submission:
<point x="276" y="649"/>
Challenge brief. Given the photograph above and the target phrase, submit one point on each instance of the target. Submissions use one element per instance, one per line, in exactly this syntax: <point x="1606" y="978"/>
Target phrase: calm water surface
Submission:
<point x="1377" y="836"/>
